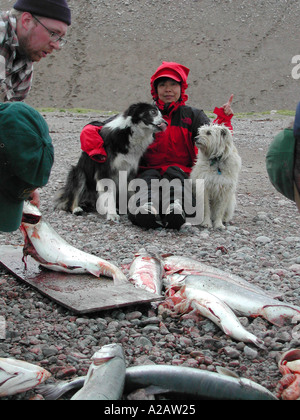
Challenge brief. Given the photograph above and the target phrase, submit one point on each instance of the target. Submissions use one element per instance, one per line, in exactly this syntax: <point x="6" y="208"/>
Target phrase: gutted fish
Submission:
<point x="51" y="251"/>
<point x="17" y="376"/>
<point x="289" y="365"/>
<point x="243" y="300"/>
<point x="146" y="272"/>
<point x="106" y="376"/>
<point x="217" y="311"/>
<point x="179" y="264"/>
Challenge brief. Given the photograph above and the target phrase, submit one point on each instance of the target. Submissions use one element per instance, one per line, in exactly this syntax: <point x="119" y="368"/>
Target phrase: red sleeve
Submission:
<point x="222" y="118"/>
<point x="92" y="143"/>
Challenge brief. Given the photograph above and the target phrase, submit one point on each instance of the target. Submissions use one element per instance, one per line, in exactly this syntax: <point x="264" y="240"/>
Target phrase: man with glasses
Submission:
<point x="32" y="30"/>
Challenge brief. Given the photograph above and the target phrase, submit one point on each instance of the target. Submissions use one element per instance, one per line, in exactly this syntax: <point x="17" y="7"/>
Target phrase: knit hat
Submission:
<point x="26" y="159"/>
<point x="53" y="9"/>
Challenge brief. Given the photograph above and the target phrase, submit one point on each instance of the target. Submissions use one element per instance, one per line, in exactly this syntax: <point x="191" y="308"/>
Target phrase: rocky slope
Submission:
<point x="231" y="46"/>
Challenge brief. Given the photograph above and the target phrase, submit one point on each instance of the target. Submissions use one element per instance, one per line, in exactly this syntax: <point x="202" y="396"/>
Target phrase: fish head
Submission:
<point x="106" y="353"/>
<point x="103" y="356"/>
<point x="17" y="376"/>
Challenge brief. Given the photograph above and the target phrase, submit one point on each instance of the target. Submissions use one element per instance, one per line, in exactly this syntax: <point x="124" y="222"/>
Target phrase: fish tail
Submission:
<point x="109" y="270"/>
<point x="279" y="314"/>
<point x="119" y="277"/>
<point x="257" y="341"/>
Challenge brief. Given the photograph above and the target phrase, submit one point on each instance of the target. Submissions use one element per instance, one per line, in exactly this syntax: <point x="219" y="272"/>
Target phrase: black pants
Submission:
<point x="166" y="194"/>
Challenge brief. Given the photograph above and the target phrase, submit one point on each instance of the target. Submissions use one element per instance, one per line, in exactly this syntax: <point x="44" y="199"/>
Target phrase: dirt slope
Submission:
<point x="231" y="46"/>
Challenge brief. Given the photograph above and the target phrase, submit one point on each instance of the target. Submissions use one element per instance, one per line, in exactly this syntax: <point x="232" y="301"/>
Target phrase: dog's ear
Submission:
<point x="131" y="110"/>
<point x="224" y="131"/>
<point x="227" y="138"/>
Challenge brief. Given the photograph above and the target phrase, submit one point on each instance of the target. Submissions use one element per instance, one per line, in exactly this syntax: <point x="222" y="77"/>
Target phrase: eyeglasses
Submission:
<point x="54" y="37"/>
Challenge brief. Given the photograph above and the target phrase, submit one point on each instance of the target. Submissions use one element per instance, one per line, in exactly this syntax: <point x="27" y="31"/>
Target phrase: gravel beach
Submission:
<point x="262" y="245"/>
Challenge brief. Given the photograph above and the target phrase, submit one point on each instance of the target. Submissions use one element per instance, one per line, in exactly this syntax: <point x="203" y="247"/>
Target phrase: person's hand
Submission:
<point x="227" y="107"/>
<point x="35" y="198"/>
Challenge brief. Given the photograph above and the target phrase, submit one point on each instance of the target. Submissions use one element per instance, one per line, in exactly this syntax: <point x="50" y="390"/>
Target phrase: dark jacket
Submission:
<point x="297" y="151"/>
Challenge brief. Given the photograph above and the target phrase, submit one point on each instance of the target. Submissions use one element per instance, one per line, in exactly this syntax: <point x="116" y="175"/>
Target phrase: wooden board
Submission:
<point x="79" y="293"/>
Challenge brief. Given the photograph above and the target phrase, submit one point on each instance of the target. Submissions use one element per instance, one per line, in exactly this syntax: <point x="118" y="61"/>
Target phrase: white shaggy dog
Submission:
<point x="218" y="164"/>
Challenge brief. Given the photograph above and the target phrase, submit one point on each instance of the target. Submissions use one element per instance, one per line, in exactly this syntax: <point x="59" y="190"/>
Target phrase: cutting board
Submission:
<point x="80" y="293"/>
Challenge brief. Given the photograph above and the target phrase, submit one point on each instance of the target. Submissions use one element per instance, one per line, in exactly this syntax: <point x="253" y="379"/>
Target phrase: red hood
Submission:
<point x="174" y="71"/>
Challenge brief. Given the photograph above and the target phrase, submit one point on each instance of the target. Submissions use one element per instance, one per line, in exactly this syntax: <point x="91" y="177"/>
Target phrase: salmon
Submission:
<point x="146" y="272"/>
<point x="243" y="300"/>
<point x="17" y="376"/>
<point x="48" y="248"/>
<point x="106" y="376"/>
<point x="213" y="308"/>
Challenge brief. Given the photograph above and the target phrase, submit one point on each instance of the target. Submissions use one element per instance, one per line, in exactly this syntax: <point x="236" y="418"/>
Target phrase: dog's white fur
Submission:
<point x="218" y="164"/>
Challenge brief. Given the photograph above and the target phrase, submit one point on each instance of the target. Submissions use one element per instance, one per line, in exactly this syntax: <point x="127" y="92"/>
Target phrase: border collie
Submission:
<point x="126" y="138"/>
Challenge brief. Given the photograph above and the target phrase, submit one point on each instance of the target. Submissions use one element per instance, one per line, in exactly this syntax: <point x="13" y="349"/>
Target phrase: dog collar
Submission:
<point x="214" y="161"/>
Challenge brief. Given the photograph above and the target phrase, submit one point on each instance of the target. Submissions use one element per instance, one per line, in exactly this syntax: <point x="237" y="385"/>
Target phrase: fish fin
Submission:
<point x="225" y="329"/>
<point x="278" y="314"/>
<point x="95" y="273"/>
<point x="167" y="255"/>
<point x="155" y="390"/>
<point x="227" y="372"/>
<point x="120" y="278"/>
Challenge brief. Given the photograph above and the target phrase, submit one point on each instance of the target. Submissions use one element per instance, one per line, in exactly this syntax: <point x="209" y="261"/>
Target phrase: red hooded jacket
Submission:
<point x="176" y="145"/>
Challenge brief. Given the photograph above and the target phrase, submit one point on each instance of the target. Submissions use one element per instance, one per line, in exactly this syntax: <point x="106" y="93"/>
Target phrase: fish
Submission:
<point x="51" y="251"/>
<point x="213" y="308"/>
<point x="17" y="376"/>
<point x="288" y="388"/>
<point x="184" y="382"/>
<point x="106" y="376"/>
<point x="185" y="265"/>
<point x="146" y="272"/>
<point x="243" y="300"/>
<point x="193" y="383"/>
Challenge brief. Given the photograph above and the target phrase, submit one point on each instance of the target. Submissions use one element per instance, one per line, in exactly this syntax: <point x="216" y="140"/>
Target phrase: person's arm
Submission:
<point x="92" y="143"/>
<point x="35" y="198"/>
<point x="297" y="122"/>
<point x="297" y="149"/>
<point x="224" y="114"/>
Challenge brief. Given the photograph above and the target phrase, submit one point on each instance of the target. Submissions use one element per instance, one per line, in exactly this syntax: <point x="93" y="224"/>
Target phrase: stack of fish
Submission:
<point x="221" y="296"/>
<point x="209" y="291"/>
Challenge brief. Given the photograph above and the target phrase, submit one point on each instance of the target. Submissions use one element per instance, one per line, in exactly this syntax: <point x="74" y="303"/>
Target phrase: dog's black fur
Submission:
<point x="126" y="138"/>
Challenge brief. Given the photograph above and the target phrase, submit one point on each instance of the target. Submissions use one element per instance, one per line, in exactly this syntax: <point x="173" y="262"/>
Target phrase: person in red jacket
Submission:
<point x="172" y="154"/>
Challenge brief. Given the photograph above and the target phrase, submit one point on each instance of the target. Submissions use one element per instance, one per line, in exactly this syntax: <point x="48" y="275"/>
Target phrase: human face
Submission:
<point x="35" y="41"/>
<point x="169" y="91"/>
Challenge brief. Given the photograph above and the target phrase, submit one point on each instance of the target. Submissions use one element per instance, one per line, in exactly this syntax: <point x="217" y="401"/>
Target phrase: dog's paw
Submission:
<point x="113" y="218"/>
<point x="77" y="211"/>
<point x="207" y="224"/>
<point x="219" y="225"/>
